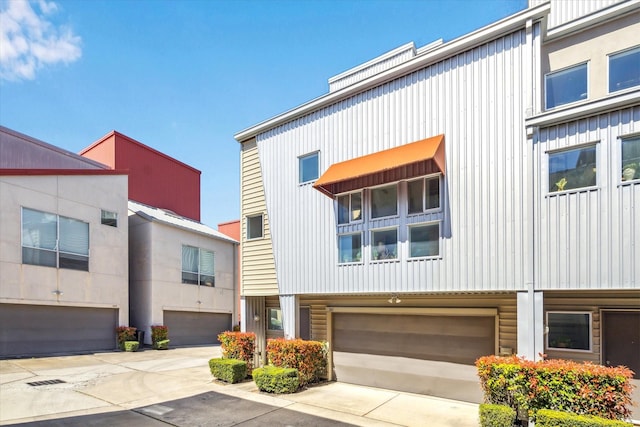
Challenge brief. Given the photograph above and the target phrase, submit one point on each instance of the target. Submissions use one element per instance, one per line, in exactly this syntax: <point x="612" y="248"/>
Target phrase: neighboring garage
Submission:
<point x="419" y="351"/>
<point x="195" y="328"/>
<point x="41" y="329"/>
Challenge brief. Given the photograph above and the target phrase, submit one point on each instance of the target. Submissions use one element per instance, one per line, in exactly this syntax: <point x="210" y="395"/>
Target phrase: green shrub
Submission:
<point x="238" y="345"/>
<point x="161" y="345"/>
<point x="131" y="345"/>
<point x="308" y="357"/>
<point x="580" y="388"/>
<point x="125" y="333"/>
<point x="276" y="380"/>
<point x="228" y="370"/>
<point x="159" y="333"/>
<point x="550" y="418"/>
<point x="496" y="415"/>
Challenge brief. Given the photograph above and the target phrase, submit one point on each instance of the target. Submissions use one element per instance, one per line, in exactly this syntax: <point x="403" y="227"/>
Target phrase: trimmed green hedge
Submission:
<point x="276" y="380"/>
<point x="496" y="415"/>
<point x="308" y="357"/>
<point x="549" y="418"/>
<point x="161" y="345"/>
<point x="131" y="345"/>
<point x="228" y="370"/>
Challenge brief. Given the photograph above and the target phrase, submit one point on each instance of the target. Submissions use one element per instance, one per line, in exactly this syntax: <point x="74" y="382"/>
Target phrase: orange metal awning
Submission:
<point x="395" y="164"/>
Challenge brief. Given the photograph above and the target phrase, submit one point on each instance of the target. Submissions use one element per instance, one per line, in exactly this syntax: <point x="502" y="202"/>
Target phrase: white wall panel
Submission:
<point x="587" y="239"/>
<point x="563" y="11"/>
<point x="476" y="99"/>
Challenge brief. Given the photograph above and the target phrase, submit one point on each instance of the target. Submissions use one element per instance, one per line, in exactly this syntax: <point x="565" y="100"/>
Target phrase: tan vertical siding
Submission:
<point x="257" y="262"/>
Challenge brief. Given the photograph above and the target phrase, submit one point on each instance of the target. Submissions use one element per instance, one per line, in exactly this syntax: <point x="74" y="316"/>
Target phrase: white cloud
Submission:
<point x="29" y="40"/>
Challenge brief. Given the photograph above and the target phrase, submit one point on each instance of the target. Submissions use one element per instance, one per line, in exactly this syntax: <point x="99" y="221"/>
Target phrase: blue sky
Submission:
<point x="183" y="76"/>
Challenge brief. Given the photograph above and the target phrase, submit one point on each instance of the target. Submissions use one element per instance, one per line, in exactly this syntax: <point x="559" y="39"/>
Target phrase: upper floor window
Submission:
<point x="424" y="240"/>
<point x="197" y="266"/>
<point x="384" y="244"/>
<point x="54" y="241"/>
<point x="109" y="218"/>
<point x="424" y="194"/>
<point x="571" y="169"/>
<point x="624" y="69"/>
<point x="631" y="158"/>
<point x="569" y="330"/>
<point x="350" y="208"/>
<point x="350" y="248"/>
<point x="254" y="227"/>
<point x="566" y="86"/>
<point x="384" y="201"/>
<point x="308" y="168"/>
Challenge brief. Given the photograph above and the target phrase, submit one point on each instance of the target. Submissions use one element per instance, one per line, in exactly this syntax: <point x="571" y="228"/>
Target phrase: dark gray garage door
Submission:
<point x="40" y="329"/>
<point x="415" y="353"/>
<point x="189" y="328"/>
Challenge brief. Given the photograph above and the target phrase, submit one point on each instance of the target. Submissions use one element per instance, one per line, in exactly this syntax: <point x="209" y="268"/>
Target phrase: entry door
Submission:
<point x="621" y="339"/>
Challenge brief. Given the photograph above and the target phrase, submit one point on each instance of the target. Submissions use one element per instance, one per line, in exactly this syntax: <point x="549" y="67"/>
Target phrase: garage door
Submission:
<point x="190" y="328"/>
<point x="41" y="330"/>
<point x="415" y="353"/>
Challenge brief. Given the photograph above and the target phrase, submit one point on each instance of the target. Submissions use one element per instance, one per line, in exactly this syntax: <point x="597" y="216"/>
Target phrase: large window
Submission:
<point x="569" y="330"/>
<point x="566" y="86"/>
<point x="384" y="244"/>
<point x="384" y="201"/>
<point x="54" y="241"/>
<point x="198" y="266"/>
<point x="350" y="248"/>
<point x="350" y="208"/>
<point x="254" y="227"/>
<point x="624" y="69"/>
<point x="631" y="158"/>
<point x="308" y="168"/>
<point x="424" y="194"/>
<point x="424" y="240"/>
<point x="571" y="169"/>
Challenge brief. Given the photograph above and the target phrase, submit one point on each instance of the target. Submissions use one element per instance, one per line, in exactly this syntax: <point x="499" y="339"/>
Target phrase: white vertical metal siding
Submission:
<point x="289" y="314"/>
<point x="475" y="98"/>
<point x="563" y="11"/>
<point x="588" y="239"/>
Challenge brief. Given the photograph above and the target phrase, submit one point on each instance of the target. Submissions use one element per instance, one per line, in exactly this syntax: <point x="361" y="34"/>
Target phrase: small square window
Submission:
<point x="350" y="208"/>
<point x="254" y="227"/>
<point x="384" y="201"/>
<point x="424" y="194"/>
<point x="624" y="70"/>
<point x="571" y="169"/>
<point x="384" y="244"/>
<point x="308" y="168"/>
<point x="569" y="330"/>
<point x="109" y="218"/>
<point x="274" y="319"/>
<point x="350" y="248"/>
<point x="566" y="86"/>
<point x="631" y="158"/>
<point x="424" y="240"/>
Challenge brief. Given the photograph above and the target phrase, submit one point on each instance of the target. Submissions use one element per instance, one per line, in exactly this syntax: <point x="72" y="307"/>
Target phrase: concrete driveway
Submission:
<point x="153" y="388"/>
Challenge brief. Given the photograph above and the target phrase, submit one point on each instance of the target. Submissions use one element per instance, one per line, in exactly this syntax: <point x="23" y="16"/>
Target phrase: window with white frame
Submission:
<point x="349" y="248"/>
<point x="570" y="169"/>
<point x="384" y="244"/>
<point x="631" y="158"/>
<point x="384" y="201"/>
<point x="350" y="208"/>
<point x="569" y="330"/>
<point x="51" y="240"/>
<point x="624" y="69"/>
<point x="566" y="86"/>
<point x="308" y="168"/>
<point x="254" y="227"/>
<point x="198" y="266"/>
<point x="274" y="319"/>
<point x="423" y="194"/>
<point x="424" y="240"/>
<point x="109" y="218"/>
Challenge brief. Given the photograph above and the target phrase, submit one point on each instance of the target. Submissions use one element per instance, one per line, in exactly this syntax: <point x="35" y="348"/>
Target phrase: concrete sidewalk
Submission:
<point x="109" y="382"/>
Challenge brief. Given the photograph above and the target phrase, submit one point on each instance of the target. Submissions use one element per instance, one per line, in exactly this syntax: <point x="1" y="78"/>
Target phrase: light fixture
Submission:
<point x="394" y="299"/>
<point x="199" y="302"/>
<point x="57" y="292"/>
<point x="256" y="318"/>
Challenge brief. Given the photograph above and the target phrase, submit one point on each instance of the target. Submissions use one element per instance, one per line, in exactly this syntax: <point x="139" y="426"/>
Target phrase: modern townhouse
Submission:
<point x="63" y="249"/>
<point x="415" y="217"/>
